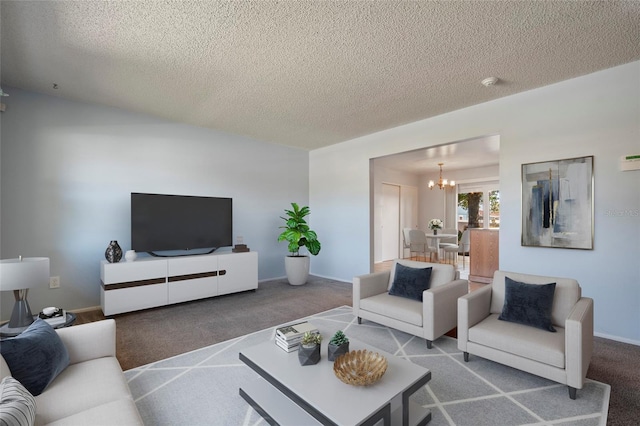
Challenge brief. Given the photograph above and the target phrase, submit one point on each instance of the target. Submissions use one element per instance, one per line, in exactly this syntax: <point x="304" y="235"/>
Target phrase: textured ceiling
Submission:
<point x="306" y="73"/>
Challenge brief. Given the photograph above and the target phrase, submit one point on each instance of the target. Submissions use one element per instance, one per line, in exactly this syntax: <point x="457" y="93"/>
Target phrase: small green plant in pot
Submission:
<point x="338" y="345"/>
<point x="297" y="234"/>
<point x="309" y="350"/>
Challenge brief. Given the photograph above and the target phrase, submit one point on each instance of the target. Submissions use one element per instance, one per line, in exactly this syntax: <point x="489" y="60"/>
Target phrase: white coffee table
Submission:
<point x="287" y="393"/>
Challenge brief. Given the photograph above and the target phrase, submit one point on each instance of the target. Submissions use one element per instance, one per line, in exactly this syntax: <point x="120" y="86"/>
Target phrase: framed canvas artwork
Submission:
<point x="557" y="203"/>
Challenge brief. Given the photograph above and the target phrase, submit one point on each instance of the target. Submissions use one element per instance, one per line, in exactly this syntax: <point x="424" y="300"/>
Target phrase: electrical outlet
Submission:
<point x="54" y="282"/>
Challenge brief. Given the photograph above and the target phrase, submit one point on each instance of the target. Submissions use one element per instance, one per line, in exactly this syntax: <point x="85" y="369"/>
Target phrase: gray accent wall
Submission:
<point x="597" y="114"/>
<point x="68" y="168"/>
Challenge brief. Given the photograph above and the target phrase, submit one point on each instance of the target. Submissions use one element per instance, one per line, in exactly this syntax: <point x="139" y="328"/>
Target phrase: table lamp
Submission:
<point x="20" y="275"/>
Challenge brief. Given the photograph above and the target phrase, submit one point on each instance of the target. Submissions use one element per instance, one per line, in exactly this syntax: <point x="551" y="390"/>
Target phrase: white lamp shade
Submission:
<point x="22" y="273"/>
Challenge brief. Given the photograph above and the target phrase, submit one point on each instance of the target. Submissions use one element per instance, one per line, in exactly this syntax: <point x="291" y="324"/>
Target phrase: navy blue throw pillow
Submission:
<point x="410" y="282"/>
<point x="36" y="356"/>
<point x="528" y="304"/>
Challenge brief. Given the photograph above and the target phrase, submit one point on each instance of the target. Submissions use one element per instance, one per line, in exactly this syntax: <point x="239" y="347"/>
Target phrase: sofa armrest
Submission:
<point x="579" y="342"/>
<point x="368" y="285"/>
<point x="440" y="308"/>
<point x="89" y="341"/>
<point x="472" y="308"/>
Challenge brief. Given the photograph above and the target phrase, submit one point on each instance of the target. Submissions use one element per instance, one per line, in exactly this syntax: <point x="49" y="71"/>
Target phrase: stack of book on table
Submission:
<point x="288" y="337"/>
<point x="57" y="318"/>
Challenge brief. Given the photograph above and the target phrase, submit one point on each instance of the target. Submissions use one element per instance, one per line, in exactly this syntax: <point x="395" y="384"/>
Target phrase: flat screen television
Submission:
<point x="180" y="222"/>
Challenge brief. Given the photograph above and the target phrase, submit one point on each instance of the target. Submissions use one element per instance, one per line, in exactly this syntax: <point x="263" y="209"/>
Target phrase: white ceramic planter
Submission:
<point x="297" y="268"/>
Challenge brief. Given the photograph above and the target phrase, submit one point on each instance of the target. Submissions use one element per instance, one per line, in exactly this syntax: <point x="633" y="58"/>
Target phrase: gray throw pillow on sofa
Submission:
<point x="528" y="304"/>
<point x="410" y="282"/>
<point x="36" y="356"/>
<point x="17" y="405"/>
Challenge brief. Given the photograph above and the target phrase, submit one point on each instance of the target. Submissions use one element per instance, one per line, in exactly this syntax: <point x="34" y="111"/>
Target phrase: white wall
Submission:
<point x="597" y="114"/>
<point x="432" y="202"/>
<point x="68" y="168"/>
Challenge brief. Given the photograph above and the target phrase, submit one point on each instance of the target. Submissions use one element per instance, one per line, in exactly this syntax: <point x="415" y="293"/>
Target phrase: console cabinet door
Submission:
<point x="237" y="272"/>
<point x="121" y="272"/>
<point x="192" y="278"/>
<point x="131" y="286"/>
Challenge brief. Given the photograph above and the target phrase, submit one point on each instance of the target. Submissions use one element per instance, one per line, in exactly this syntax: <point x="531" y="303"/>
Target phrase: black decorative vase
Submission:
<point x="309" y="355"/>
<point x="113" y="253"/>
<point x="435" y="232"/>
<point x="334" y="351"/>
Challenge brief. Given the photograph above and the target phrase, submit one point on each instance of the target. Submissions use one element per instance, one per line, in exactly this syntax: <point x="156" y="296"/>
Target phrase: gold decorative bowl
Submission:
<point x="360" y="368"/>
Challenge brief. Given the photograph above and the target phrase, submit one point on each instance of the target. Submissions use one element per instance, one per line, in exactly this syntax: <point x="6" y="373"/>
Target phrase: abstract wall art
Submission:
<point x="557" y="203"/>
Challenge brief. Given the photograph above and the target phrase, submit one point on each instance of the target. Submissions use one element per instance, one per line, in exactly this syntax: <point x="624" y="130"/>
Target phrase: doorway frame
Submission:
<point x="432" y="152"/>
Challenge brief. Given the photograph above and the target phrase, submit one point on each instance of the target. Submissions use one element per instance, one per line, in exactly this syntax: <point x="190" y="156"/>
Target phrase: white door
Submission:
<point x="390" y="221"/>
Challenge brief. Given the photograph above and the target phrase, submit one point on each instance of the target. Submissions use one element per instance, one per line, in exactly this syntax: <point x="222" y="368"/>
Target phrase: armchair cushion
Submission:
<point x="528" y="304"/>
<point x="36" y="356"/>
<point x="526" y="342"/>
<point x="410" y="282"/>
<point x="398" y="308"/>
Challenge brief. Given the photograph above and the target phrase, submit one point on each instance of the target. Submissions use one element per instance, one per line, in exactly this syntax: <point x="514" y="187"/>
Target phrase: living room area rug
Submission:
<point x="201" y="387"/>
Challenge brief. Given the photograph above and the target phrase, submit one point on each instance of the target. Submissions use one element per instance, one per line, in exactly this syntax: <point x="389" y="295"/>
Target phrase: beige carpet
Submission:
<point x="618" y="364"/>
<point x="148" y="336"/>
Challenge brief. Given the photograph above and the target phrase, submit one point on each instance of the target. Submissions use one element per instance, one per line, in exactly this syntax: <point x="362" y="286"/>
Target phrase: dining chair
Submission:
<point x="451" y="240"/>
<point x="418" y="244"/>
<point x="406" y="241"/>
<point x="465" y="246"/>
<point x="449" y="246"/>
<point x="451" y="252"/>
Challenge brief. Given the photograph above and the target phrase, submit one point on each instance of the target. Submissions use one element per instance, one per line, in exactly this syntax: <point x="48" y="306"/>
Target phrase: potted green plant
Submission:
<point x="309" y="350"/>
<point x="297" y="234"/>
<point x="338" y="345"/>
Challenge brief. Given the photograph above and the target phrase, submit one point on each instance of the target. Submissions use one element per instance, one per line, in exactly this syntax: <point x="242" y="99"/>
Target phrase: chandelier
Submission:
<point x="442" y="183"/>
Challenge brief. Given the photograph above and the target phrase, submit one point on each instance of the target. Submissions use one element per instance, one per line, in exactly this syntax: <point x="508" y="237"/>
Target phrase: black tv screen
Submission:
<point x="179" y="222"/>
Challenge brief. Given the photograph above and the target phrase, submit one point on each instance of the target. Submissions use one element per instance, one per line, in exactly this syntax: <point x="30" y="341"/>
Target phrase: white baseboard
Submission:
<point x="331" y="278"/>
<point x="87" y="309"/>
<point x="618" y="338"/>
<point x="284" y="277"/>
<point x="311" y="273"/>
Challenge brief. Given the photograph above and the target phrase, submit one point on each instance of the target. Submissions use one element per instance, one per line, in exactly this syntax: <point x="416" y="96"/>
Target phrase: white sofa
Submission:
<point x="92" y="390"/>
<point x="429" y="319"/>
<point x="563" y="356"/>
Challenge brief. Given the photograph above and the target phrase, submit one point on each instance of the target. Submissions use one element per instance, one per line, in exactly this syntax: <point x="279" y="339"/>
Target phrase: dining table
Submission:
<point x="437" y="237"/>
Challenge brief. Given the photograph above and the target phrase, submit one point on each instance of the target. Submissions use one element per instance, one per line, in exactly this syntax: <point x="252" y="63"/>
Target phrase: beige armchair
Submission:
<point x="562" y="356"/>
<point x="429" y="319"/>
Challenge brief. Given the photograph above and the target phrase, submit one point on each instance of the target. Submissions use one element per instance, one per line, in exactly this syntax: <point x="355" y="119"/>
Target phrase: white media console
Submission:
<point x="157" y="281"/>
